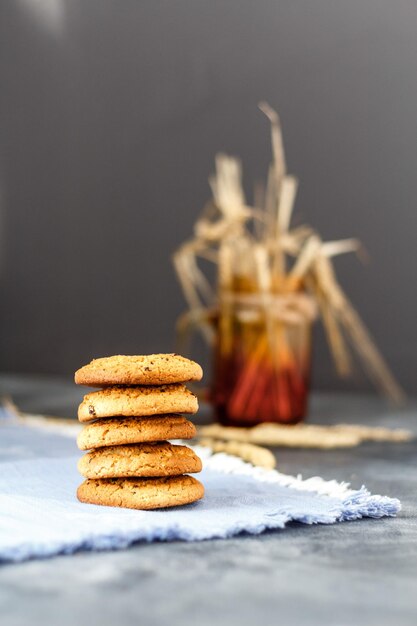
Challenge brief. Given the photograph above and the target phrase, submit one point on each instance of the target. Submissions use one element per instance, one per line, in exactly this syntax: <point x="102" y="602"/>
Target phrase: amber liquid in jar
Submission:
<point x="261" y="365"/>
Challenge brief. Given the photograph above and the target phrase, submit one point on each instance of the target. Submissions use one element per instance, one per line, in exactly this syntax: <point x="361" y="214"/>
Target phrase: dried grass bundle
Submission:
<point x="288" y="271"/>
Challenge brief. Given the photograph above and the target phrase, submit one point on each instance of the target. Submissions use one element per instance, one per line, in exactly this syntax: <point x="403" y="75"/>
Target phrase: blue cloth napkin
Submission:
<point x="40" y="515"/>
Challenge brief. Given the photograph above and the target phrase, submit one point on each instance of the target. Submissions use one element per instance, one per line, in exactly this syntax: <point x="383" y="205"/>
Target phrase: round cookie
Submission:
<point x="144" y="459"/>
<point x="127" y="430"/>
<point x="134" y="401"/>
<point x="141" y="493"/>
<point x="152" y="369"/>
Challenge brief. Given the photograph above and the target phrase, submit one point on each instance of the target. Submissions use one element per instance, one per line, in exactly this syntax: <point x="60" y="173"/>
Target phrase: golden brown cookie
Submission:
<point x="137" y="401"/>
<point x="141" y="493"/>
<point x="152" y="369"/>
<point x="144" y="459"/>
<point x="126" y="430"/>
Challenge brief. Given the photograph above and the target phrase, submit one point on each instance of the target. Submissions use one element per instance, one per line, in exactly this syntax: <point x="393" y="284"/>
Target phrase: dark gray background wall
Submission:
<point x="110" y="115"/>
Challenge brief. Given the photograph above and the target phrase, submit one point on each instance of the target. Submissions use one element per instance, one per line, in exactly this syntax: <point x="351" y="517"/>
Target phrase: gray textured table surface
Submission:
<point x="362" y="572"/>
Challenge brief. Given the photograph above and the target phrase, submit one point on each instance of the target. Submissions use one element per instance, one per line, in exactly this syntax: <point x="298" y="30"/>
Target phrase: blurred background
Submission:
<point x="110" y="116"/>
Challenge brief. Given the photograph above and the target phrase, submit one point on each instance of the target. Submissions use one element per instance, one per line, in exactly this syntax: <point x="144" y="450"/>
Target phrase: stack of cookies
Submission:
<point x="130" y="463"/>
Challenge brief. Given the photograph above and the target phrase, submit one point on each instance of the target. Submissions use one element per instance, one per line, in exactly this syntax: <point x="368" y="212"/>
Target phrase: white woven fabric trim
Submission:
<point x="228" y="464"/>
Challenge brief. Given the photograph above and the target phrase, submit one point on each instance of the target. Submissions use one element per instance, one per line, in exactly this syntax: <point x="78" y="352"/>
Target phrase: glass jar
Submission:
<point x="261" y="355"/>
<point x="261" y="358"/>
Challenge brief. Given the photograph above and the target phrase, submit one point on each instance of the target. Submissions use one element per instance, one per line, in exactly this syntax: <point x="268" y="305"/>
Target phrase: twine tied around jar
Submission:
<point x="291" y="308"/>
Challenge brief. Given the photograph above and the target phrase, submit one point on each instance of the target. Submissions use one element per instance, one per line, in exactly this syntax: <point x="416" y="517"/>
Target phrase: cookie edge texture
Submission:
<point x="140" y="401"/>
<point x="175" y="368"/>
<point x="179" y="460"/>
<point x="97" y="492"/>
<point x="140" y="430"/>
